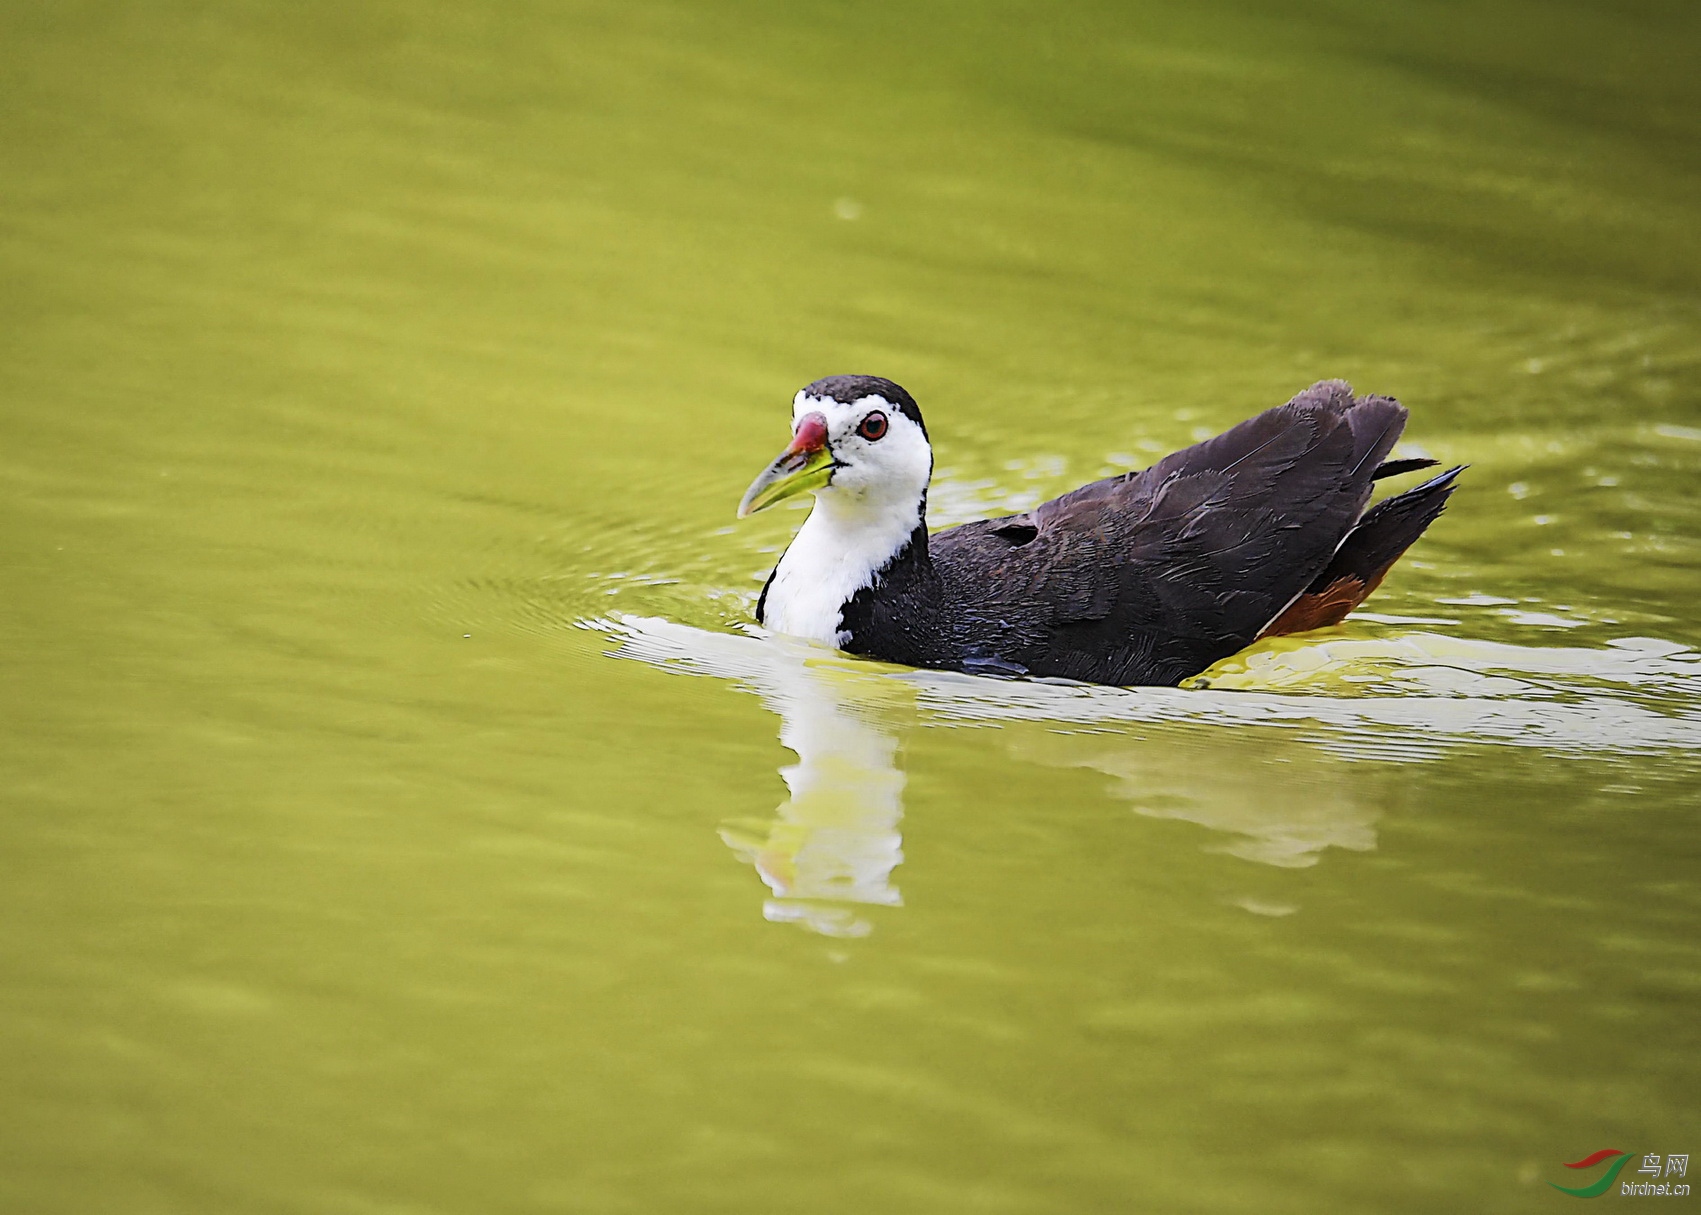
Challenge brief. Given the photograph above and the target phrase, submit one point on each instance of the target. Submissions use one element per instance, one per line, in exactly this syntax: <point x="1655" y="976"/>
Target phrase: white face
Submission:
<point x="884" y="457"/>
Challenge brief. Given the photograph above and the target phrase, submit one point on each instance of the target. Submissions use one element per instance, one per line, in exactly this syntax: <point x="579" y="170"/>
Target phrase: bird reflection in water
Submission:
<point x="1286" y="816"/>
<point x="1278" y="778"/>
<point x="827" y="853"/>
<point x="832" y="847"/>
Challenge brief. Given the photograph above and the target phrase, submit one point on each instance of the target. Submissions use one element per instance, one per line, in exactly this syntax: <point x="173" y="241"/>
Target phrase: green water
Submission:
<point x="396" y="820"/>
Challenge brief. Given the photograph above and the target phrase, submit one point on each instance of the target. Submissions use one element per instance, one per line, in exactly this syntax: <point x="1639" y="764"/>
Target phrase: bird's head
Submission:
<point x="857" y="440"/>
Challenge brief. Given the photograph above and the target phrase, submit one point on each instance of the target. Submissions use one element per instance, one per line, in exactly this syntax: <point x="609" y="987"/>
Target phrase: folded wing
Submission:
<point x="1150" y="577"/>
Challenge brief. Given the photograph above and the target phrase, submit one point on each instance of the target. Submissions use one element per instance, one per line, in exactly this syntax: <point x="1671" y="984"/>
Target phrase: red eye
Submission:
<point x="873" y="426"/>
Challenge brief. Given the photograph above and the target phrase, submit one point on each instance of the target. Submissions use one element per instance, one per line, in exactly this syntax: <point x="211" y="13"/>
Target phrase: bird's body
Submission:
<point x="1145" y="578"/>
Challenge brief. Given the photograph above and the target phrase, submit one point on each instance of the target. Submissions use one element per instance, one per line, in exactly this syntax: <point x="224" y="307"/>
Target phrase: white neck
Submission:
<point x="836" y="553"/>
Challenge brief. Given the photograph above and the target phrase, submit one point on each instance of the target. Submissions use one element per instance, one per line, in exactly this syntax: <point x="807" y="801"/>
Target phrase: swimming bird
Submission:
<point x="1146" y="578"/>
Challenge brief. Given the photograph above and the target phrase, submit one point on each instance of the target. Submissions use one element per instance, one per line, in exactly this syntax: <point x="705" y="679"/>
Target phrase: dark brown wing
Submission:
<point x="1150" y="577"/>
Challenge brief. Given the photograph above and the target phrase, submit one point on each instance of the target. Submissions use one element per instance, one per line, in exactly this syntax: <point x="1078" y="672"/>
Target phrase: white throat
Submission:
<point x="841" y="546"/>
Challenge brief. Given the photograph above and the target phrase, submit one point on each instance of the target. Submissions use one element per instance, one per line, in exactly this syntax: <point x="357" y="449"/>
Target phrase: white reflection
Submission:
<point x="832" y="847"/>
<point x="835" y="843"/>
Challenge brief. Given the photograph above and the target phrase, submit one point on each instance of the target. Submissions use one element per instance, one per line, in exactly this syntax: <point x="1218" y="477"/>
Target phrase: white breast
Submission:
<point x="836" y="553"/>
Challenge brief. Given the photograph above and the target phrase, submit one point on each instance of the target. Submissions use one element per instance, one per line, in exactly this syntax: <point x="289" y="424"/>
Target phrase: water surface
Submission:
<point x="397" y="817"/>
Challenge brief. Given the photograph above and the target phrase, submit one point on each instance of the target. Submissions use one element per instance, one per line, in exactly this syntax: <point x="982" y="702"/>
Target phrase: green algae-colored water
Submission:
<point x="396" y="819"/>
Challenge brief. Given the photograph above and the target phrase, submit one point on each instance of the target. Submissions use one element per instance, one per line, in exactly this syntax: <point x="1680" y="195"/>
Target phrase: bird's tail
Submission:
<point x="1371" y="548"/>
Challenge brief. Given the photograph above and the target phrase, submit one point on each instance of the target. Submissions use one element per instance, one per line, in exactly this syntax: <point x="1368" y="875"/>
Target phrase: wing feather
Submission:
<point x="1153" y="575"/>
